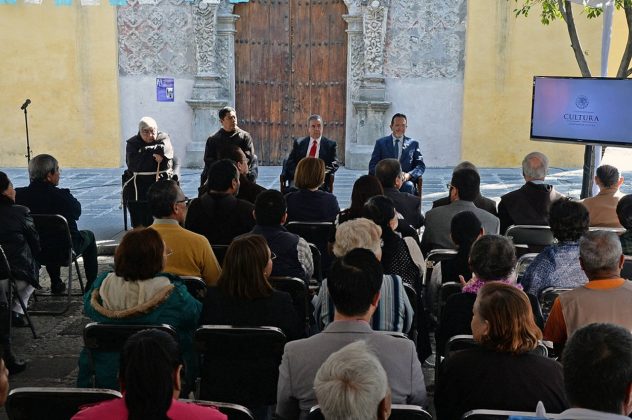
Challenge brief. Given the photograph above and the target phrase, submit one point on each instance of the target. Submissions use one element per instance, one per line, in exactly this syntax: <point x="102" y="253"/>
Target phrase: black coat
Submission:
<point x="20" y="242"/>
<point x="528" y="205"/>
<point x="220" y="217"/>
<point x="327" y="152"/>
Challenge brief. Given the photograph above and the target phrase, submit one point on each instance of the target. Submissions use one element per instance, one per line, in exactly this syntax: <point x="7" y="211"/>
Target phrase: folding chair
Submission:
<point x="530" y="238"/>
<point x="53" y="403"/>
<point x="484" y="414"/>
<point x="398" y="412"/>
<point x="195" y="286"/>
<point x="220" y="253"/>
<point x="56" y="244"/>
<point x="12" y="290"/>
<point x="300" y="297"/>
<point x="316" y="233"/>
<point x="317" y="260"/>
<point x="547" y="298"/>
<point x="232" y="411"/>
<point x="436" y="256"/>
<point x="106" y="341"/>
<point x="239" y="365"/>
<point x="523" y="263"/>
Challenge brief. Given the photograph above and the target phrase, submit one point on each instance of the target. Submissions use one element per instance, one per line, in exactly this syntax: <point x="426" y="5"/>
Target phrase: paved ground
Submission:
<point x="53" y="356"/>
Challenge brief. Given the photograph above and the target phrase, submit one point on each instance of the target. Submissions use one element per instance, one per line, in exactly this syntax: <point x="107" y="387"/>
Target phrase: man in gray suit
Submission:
<point x="464" y="188"/>
<point x="354" y="286"/>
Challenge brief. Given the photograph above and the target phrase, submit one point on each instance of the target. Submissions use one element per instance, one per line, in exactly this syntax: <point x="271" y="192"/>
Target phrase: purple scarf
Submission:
<point x="475" y="286"/>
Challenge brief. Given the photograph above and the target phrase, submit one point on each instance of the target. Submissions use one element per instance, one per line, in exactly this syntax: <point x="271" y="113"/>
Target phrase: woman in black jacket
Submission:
<point x="20" y="242"/>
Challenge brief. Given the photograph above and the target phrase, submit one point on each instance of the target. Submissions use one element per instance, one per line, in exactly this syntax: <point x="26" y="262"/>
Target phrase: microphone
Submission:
<point x="25" y="104"/>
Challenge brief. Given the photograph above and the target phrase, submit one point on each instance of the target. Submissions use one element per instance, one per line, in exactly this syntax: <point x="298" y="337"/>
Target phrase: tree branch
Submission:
<point x="575" y="44"/>
<point x="560" y="5"/>
<point x="623" y="71"/>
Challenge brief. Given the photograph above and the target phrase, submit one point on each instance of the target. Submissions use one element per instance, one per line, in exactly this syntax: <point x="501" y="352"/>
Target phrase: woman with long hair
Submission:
<point x="502" y="373"/>
<point x="244" y="296"/>
<point x="150" y="379"/>
<point x="138" y="292"/>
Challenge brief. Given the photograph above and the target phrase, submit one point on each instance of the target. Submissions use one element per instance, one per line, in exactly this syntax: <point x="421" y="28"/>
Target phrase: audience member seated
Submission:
<point x="389" y="173"/>
<point x="603" y="207"/>
<point x="138" y="292"/>
<point x="20" y="241"/>
<point x="605" y="298"/>
<point x="465" y="229"/>
<point x="150" y="379"/>
<point x="248" y="190"/>
<point x="399" y="256"/>
<point x="244" y="297"/>
<point x="293" y="256"/>
<point x="501" y="374"/>
<point x="480" y="201"/>
<point x="42" y="196"/>
<point x="316" y="146"/>
<point x="352" y="385"/>
<point x="529" y="205"/>
<point x="218" y="214"/>
<point x="149" y="157"/>
<point x="4" y="383"/>
<point x="598" y="373"/>
<point x="624" y="213"/>
<point x="558" y="264"/>
<point x="394" y="311"/>
<point x="191" y="254"/>
<point x="492" y="259"/>
<point x="464" y="187"/>
<point x="354" y="284"/>
<point x="365" y="187"/>
<point x="309" y="204"/>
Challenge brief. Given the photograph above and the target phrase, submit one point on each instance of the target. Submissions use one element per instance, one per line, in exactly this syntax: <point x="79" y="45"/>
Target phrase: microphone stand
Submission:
<point x="26" y="122"/>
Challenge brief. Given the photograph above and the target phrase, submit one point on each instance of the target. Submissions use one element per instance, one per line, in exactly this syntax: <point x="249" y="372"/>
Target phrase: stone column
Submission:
<point x="367" y="33"/>
<point x="213" y="88"/>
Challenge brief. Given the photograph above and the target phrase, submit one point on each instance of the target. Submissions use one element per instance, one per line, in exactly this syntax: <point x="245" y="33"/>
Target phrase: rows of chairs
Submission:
<point x="62" y="403"/>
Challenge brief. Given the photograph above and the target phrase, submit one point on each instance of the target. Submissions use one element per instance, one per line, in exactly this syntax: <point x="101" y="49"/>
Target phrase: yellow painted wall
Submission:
<point x="64" y="58"/>
<point x="503" y="53"/>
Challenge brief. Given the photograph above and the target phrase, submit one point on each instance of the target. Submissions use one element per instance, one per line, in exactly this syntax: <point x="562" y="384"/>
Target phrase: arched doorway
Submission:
<point x="290" y="62"/>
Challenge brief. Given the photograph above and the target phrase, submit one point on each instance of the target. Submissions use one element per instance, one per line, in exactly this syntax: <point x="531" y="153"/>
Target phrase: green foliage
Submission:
<point x="550" y="9"/>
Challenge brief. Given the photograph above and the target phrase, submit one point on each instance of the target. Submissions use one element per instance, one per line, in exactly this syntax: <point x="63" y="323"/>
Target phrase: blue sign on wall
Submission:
<point x="164" y="90"/>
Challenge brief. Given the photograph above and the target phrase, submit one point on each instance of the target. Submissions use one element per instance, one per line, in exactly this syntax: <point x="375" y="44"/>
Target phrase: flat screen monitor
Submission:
<point x="582" y="110"/>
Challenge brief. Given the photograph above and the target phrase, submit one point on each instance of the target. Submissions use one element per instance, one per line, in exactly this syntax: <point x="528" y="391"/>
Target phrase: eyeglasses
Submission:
<point x="168" y="251"/>
<point x="449" y="186"/>
<point x="272" y="255"/>
<point x="185" y="200"/>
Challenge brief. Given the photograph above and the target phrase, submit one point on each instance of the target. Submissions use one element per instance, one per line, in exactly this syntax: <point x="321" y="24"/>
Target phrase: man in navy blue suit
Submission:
<point x="314" y="145"/>
<point x="406" y="150"/>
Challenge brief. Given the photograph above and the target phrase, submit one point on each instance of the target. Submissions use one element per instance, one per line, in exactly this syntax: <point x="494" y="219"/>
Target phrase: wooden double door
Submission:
<point x="290" y="63"/>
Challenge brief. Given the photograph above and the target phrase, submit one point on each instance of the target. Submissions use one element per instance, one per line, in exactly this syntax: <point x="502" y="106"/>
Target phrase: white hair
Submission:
<point x="600" y="250"/>
<point x="357" y="233"/>
<point x="351" y="384"/>
<point x="147" y="122"/>
<point x="42" y="165"/>
<point x="535" y="165"/>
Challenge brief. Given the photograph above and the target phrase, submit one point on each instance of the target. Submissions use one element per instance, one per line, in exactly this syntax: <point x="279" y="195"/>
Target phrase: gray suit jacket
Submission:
<point x="302" y="358"/>
<point x="407" y="205"/>
<point x="437" y="232"/>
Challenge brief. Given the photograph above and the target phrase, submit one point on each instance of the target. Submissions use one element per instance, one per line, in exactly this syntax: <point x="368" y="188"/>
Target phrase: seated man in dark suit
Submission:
<point x="480" y="201"/>
<point x="218" y="214"/>
<point x="293" y="256"/>
<point x="406" y="150"/>
<point x="354" y="286"/>
<point x="529" y="205"/>
<point x="389" y="173"/>
<point x="42" y="196"/>
<point x="315" y="145"/>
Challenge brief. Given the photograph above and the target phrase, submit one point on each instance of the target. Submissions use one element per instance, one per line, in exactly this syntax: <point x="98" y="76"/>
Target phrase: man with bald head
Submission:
<point x="529" y="205"/>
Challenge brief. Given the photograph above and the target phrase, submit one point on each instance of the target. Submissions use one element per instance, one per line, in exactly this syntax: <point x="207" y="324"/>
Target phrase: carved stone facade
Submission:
<point x="389" y="42"/>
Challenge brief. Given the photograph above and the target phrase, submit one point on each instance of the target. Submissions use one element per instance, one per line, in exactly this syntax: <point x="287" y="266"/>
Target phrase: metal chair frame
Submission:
<point x="13" y="291"/>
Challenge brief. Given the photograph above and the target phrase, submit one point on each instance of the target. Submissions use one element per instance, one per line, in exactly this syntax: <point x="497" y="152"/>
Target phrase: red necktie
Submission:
<point x="312" y="150"/>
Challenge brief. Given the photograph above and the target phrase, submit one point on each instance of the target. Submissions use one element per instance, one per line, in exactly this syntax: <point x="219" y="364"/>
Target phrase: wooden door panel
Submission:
<point x="290" y="60"/>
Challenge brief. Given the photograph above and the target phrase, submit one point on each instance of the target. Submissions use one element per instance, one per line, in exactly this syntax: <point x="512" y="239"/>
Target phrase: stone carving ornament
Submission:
<point x="374" y="36"/>
<point x="156" y="39"/>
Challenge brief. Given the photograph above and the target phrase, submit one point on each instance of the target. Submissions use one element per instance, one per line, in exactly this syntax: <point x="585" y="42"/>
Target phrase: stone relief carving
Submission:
<point x="205" y="36"/>
<point x="425" y="39"/>
<point x="374" y="36"/>
<point x="156" y="39"/>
